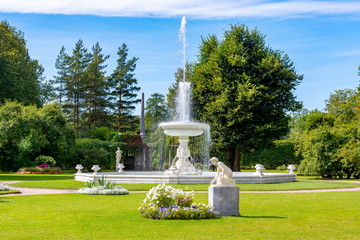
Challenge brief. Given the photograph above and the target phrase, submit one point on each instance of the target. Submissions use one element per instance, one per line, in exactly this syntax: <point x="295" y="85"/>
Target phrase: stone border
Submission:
<point x="37" y="191"/>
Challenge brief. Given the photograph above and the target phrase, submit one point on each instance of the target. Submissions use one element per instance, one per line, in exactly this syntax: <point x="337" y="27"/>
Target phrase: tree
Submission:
<point x="156" y="111"/>
<point x="62" y="65"/>
<point x="95" y="97"/>
<point x="123" y="89"/>
<point x="244" y="90"/>
<point x="76" y="82"/>
<point x="20" y="76"/>
<point x="27" y="132"/>
<point x="341" y="105"/>
<point x="329" y="141"/>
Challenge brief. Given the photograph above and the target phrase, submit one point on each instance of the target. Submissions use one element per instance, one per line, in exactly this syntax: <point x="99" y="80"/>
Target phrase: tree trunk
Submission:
<point x="230" y="156"/>
<point x="237" y="160"/>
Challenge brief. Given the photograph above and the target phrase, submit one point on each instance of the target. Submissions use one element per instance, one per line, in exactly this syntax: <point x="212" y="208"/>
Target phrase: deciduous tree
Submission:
<point x="244" y="90"/>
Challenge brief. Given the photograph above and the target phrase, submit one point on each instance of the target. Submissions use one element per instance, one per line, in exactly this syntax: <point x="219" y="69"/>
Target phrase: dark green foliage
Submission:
<point x="318" y="148"/>
<point x="281" y="153"/>
<point x="59" y="82"/>
<point x="329" y="141"/>
<point x="45" y="159"/>
<point x="156" y="111"/>
<point x="89" y="97"/>
<point x="27" y="132"/>
<point x="96" y="94"/>
<point x="244" y="90"/>
<point x="76" y="81"/>
<point x="89" y="152"/>
<point x="123" y="89"/>
<point x="20" y="76"/>
<point x="101" y="133"/>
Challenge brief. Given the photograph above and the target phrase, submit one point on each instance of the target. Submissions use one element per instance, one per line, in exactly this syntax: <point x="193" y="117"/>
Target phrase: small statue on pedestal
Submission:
<point x="119" y="166"/>
<point x="223" y="176"/>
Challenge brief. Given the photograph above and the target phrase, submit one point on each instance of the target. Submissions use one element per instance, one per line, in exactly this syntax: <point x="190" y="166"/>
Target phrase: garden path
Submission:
<point x="34" y="191"/>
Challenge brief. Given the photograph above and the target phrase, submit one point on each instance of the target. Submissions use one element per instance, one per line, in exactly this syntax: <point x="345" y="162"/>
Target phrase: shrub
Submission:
<point x="93" y="151"/>
<point x="165" y="202"/>
<point x="282" y="152"/>
<point x="40" y="169"/>
<point x="45" y="159"/>
<point x="28" y="131"/>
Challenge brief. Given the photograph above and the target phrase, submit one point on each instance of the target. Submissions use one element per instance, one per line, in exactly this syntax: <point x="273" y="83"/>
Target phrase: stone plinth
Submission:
<point x="224" y="200"/>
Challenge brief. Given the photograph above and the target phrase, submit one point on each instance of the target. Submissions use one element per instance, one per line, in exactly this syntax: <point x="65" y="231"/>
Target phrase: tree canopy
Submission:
<point x="244" y="90"/>
<point x="20" y="75"/>
<point x="27" y="132"/>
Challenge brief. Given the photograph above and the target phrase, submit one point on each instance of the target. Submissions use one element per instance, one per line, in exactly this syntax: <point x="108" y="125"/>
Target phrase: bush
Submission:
<point x="93" y="151"/>
<point x="281" y="153"/>
<point x="165" y="202"/>
<point x="40" y="169"/>
<point x="27" y="132"/>
<point x="45" y="159"/>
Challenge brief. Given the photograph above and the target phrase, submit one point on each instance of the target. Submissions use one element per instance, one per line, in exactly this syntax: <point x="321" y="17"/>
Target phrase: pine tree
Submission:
<point x="62" y="65"/>
<point x="76" y="82"/>
<point x="124" y="89"/>
<point x="95" y="97"/>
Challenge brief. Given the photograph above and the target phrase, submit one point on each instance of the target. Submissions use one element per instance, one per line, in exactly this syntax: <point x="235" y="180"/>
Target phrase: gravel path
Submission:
<point x="35" y="191"/>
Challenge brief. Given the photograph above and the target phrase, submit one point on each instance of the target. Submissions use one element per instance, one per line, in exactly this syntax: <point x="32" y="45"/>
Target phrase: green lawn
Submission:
<point x="327" y="216"/>
<point x="8" y="192"/>
<point x="303" y="183"/>
<point x="35" y="177"/>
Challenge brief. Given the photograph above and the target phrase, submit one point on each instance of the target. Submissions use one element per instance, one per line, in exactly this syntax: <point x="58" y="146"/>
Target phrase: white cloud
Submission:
<point x="204" y="9"/>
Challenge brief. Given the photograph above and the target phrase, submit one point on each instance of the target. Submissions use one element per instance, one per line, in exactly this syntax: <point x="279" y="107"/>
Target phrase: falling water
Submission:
<point x="182" y="38"/>
<point x="183" y="98"/>
<point x="182" y="102"/>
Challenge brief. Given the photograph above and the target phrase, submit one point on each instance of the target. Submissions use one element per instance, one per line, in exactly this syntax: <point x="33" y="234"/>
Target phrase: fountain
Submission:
<point x="182" y="170"/>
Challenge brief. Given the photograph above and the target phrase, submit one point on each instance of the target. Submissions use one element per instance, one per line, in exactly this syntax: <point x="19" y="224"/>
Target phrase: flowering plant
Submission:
<point x="166" y="202"/>
<point x="43" y="165"/>
<point x="104" y="188"/>
<point x="4" y="187"/>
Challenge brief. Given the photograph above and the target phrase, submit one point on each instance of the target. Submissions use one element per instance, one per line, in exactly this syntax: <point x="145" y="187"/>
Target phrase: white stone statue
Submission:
<point x="223" y="176"/>
<point x="118" y="157"/>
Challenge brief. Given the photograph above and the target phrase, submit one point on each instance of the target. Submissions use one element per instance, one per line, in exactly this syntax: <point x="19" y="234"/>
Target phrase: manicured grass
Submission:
<point x="8" y="192"/>
<point x="327" y="216"/>
<point x="35" y="177"/>
<point x="303" y="183"/>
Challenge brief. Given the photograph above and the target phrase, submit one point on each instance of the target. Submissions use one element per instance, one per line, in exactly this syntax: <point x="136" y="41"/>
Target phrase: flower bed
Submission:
<point x="39" y="170"/>
<point x="165" y="202"/>
<point x="104" y="191"/>
<point x="104" y="188"/>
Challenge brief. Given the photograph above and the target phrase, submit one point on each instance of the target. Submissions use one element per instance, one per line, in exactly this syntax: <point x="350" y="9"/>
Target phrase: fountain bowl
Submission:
<point x="139" y="177"/>
<point x="184" y="129"/>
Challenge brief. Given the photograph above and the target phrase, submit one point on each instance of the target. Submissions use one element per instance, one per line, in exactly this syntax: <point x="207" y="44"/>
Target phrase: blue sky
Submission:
<point x="321" y="37"/>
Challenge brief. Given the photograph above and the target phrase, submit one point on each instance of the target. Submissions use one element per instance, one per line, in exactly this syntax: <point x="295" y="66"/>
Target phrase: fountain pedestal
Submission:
<point x="183" y="130"/>
<point x="184" y="166"/>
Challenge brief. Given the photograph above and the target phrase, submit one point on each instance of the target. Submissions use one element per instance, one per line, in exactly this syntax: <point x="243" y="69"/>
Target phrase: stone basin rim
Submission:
<point x="177" y="128"/>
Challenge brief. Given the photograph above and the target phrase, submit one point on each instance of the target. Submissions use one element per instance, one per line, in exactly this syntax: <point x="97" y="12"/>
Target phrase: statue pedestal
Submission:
<point x="224" y="200"/>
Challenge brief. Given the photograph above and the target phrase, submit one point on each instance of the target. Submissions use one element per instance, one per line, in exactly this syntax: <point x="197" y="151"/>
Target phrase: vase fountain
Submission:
<point x="182" y="170"/>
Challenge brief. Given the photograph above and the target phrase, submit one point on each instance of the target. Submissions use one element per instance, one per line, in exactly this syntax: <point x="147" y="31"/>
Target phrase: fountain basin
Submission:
<point x="205" y="178"/>
<point x="184" y="129"/>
